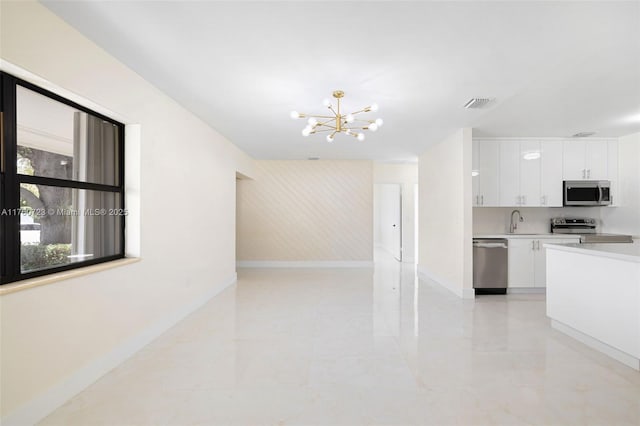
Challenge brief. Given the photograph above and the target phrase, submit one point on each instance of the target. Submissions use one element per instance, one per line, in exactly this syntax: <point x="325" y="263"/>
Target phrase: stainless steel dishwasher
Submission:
<point x="490" y="265"/>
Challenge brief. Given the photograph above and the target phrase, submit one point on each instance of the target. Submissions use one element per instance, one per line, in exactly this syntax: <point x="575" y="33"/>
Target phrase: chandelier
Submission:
<point x="339" y="122"/>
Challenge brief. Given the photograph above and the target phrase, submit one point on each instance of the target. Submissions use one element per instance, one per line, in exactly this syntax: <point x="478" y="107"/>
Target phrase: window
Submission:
<point x="62" y="189"/>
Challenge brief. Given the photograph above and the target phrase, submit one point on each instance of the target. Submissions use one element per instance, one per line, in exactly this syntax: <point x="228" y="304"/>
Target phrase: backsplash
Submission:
<point x="495" y="220"/>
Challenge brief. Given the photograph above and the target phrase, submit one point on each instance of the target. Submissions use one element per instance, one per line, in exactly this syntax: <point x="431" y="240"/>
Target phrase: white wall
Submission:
<point x="56" y="337"/>
<point x="625" y="219"/>
<point x="445" y="234"/>
<point x="407" y="176"/>
<point x="306" y="211"/>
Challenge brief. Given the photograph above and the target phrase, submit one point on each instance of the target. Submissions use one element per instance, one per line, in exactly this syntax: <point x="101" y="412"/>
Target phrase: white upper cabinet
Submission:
<point x="585" y="160"/>
<point x="485" y="173"/>
<point x="597" y="160"/>
<point x="551" y="174"/>
<point x="530" y="168"/>
<point x="475" y="173"/>
<point x="509" y="173"/>
<point x="520" y="173"/>
<point x="574" y="159"/>
<point x="529" y="172"/>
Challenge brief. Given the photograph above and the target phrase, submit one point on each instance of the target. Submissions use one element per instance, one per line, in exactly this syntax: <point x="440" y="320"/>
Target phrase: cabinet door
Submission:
<point x="540" y="262"/>
<point x="488" y="172"/>
<point x="551" y="174"/>
<point x="509" y="173"/>
<point x="540" y="259"/>
<point x="597" y="154"/>
<point x="573" y="160"/>
<point x="475" y="173"/>
<point x="530" y="160"/>
<point x="521" y="262"/>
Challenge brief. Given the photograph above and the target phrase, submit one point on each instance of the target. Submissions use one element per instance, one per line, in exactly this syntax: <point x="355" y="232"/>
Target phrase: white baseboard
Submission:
<point x="527" y="290"/>
<point x="463" y="293"/>
<point x="305" y="264"/>
<point x="44" y="404"/>
<point x="618" y="355"/>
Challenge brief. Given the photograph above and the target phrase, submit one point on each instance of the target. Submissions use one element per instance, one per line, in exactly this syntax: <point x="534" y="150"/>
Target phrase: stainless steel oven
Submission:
<point x="587" y="193"/>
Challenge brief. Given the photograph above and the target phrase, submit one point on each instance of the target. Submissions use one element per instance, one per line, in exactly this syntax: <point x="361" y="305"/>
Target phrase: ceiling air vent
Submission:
<point x="583" y="134"/>
<point x="477" y="103"/>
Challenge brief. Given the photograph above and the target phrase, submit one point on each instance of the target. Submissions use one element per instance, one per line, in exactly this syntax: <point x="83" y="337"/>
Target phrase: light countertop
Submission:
<point x="629" y="252"/>
<point x="541" y="236"/>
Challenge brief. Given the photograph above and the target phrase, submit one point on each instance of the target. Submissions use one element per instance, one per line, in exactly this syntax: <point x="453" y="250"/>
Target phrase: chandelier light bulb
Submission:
<point x="329" y="138"/>
<point x="349" y="118"/>
<point x="360" y="137"/>
<point x="326" y="102"/>
<point x="306" y="131"/>
<point x="373" y="127"/>
<point x="373" y="107"/>
<point x="294" y="114"/>
<point x="379" y="122"/>
<point x="312" y="121"/>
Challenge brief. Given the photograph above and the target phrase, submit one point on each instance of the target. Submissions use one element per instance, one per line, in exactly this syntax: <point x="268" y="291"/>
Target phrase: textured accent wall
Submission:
<point x="306" y="211"/>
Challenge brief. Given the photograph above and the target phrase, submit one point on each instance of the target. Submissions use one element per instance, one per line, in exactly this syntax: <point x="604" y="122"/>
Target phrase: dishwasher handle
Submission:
<point x="489" y="245"/>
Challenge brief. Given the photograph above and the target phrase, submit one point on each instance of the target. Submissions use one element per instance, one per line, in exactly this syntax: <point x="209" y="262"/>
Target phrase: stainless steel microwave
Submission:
<point x="587" y="193"/>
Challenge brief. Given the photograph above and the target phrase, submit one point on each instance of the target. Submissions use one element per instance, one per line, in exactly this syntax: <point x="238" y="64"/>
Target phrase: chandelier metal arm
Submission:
<point x="367" y="109"/>
<point x="324" y="123"/>
<point x="330" y="117"/>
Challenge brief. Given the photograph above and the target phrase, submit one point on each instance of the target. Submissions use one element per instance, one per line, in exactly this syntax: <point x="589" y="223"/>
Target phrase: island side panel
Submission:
<point x="597" y="296"/>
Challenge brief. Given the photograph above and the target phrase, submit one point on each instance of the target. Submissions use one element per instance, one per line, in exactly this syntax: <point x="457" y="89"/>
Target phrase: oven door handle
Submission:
<point x="600" y="195"/>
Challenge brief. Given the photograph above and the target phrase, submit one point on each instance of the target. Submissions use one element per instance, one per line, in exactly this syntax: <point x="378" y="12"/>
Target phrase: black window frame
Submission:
<point x="10" y="263"/>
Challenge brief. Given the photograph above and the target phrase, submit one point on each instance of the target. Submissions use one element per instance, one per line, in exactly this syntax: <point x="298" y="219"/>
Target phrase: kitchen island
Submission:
<point x="593" y="295"/>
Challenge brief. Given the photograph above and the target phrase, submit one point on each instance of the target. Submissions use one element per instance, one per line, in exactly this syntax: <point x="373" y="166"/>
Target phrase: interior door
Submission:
<point x="391" y="218"/>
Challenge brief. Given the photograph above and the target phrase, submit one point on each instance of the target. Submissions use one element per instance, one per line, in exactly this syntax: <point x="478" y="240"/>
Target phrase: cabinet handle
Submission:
<point x="589" y="173"/>
<point x="533" y="245"/>
<point x="584" y="173"/>
<point x="543" y="200"/>
<point x="482" y="200"/>
<point x="538" y="245"/>
<point x="524" y="200"/>
<point x="477" y="200"/>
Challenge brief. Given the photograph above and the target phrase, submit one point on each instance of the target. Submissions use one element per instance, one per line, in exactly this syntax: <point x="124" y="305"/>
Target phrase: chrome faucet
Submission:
<point x="514" y="225"/>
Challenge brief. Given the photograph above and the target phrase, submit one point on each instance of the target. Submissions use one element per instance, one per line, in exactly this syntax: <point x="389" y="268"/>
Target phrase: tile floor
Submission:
<point x="360" y="347"/>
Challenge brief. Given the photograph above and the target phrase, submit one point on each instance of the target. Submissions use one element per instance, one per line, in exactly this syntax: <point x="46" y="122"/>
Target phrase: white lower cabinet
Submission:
<point x="527" y="261"/>
<point x="521" y="263"/>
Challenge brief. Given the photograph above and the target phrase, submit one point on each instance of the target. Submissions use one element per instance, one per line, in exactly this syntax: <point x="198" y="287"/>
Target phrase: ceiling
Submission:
<point x="554" y="68"/>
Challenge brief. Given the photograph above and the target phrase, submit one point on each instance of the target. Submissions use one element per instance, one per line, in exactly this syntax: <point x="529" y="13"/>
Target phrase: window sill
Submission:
<point x="60" y="276"/>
